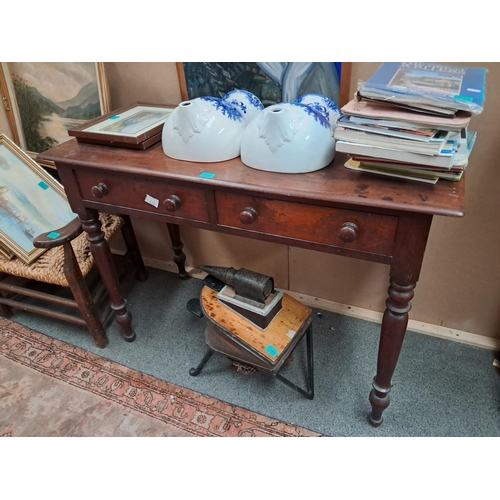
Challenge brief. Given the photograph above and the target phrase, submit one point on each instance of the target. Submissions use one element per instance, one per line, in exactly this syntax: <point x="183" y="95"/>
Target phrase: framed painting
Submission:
<point x="137" y="126"/>
<point x="271" y="82"/>
<point x="44" y="100"/>
<point x="31" y="202"/>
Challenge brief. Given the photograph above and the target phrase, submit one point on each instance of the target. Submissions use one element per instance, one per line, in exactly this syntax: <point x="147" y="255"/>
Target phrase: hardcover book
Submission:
<point x="379" y="98"/>
<point x="381" y="112"/>
<point x="429" y="179"/>
<point x="443" y="143"/>
<point x="354" y="149"/>
<point x="392" y="129"/>
<point x="398" y="165"/>
<point x="434" y="84"/>
<point x="408" y="168"/>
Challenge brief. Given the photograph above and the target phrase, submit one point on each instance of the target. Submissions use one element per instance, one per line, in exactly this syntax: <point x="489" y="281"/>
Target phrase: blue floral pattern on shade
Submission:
<point x="227" y="110"/>
<point x="254" y="100"/>
<point x="329" y="103"/>
<point x="312" y="112"/>
<point x="235" y="99"/>
<point x="322" y="105"/>
<point x="238" y="104"/>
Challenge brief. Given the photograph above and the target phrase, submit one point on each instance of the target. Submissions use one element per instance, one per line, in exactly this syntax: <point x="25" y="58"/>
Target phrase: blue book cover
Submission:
<point x="459" y="87"/>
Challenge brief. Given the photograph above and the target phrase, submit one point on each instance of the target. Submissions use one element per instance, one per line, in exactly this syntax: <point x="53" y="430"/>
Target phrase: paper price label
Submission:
<point x="152" y="201"/>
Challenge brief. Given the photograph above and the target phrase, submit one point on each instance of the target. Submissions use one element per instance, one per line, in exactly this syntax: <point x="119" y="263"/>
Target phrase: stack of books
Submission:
<point x="410" y="120"/>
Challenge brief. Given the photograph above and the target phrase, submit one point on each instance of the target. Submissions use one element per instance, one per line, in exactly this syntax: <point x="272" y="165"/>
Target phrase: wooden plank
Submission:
<point x="279" y="334"/>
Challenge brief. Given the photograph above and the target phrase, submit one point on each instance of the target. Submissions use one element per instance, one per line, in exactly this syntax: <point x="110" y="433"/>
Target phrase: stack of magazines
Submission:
<point x="410" y="120"/>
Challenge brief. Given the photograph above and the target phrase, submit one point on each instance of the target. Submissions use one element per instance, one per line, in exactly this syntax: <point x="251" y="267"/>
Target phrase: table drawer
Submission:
<point x="151" y="196"/>
<point x="351" y="229"/>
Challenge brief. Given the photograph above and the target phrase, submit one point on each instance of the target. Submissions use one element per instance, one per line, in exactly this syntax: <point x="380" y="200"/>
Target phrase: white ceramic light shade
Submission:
<point x="203" y="130"/>
<point x="209" y="129"/>
<point x="288" y="138"/>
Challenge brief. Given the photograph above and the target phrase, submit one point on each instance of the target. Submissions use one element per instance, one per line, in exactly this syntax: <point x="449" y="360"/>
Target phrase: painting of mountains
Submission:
<point x="52" y="98"/>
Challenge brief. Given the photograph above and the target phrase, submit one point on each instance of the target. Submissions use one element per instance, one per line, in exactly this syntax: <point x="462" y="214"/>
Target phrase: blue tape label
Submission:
<point x="114" y="117"/>
<point x="43" y="185"/>
<point x="53" y="235"/>
<point x="207" y="175"/>
<point x="272" y="350"/>
<point x="463" y="98"/>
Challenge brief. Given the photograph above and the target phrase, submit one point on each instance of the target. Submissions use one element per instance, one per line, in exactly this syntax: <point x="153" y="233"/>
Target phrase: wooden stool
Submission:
<point x="229" y="333"/>
<point x="66" y="263"/>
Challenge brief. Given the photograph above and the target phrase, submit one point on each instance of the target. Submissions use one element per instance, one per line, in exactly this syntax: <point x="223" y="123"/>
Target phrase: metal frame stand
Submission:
<point x="308" y="393"/>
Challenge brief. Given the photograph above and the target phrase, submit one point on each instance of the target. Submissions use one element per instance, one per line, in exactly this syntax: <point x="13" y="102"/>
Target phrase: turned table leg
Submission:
<point x="130" y="240"/>
<point x="177" y="245"/>
<point x="409" y="247"/>
<point x="104" y="261"/>
<point x="392" y="334"/>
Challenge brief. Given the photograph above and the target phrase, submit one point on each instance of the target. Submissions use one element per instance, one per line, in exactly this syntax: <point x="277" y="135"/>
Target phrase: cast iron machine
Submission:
<point x="252" y="322"/>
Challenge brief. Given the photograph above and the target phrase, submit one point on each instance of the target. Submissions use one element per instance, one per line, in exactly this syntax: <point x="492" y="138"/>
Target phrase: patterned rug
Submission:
<point x="50" y="388"/>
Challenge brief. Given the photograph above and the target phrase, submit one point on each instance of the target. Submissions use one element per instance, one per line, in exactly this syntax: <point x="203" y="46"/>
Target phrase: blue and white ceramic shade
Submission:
<point x="295" y="137"/>
<point x="209" y="129"/>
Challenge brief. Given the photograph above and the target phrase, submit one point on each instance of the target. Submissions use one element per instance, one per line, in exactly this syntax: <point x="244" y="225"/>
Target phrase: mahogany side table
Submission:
<point x="333" y="210"/>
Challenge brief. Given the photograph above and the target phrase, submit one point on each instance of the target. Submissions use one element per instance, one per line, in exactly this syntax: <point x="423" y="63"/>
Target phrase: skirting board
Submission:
<point x="356" y="312"/>
<point x="413" y="325"/>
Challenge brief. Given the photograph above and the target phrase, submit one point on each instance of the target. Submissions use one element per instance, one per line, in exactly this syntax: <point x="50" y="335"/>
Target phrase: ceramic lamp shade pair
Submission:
<point x="287" y="137"/>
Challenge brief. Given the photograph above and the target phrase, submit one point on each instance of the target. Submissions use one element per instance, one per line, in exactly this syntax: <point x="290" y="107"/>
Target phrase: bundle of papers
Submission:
<point x="392" y="140"/>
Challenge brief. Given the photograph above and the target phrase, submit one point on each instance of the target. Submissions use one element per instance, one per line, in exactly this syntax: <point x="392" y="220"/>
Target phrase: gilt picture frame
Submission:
<point x="6" y="254"/>
<point x="44" y="100"/>
<point x="32" y="202"/>
<point x="270" y="82"/>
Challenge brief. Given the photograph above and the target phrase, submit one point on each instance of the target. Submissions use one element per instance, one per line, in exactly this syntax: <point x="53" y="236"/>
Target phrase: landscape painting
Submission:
<point x="136" y="123"/>
<point x="31" y="202"/>
<point x="48" y="98"/>
<point x="271" y="82"/>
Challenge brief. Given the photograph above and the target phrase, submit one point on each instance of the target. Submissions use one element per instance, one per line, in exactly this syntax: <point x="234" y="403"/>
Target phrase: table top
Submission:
<point x="333" y="184"/>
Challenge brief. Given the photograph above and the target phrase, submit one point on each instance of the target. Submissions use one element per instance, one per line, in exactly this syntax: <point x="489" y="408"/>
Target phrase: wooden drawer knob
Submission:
<point x="348" y="232"/>
<point x="249" y="215"/>
<point x="172" y="203"/>
<point x="100" y="190"/>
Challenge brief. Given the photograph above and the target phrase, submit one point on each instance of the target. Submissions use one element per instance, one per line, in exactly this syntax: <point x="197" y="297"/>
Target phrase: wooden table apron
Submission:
<point x="333" y="210"/>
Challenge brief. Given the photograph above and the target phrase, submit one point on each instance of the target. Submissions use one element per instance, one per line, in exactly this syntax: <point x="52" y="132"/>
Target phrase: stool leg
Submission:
<point x="309" y="393"/>
<point x="310" y="360"/>
<point x="195" y="371"/>
<point x="82" y="297"/>
<point x="5" y="311"/>
<point x="177" y="245"/>
<point x="133" y="250"/>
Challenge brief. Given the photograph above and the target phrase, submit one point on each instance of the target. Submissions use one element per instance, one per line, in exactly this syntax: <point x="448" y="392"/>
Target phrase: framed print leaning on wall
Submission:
<point x="271" y="82"/>
<point x="31" y="202"/>
<point x="44" y="100"/>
